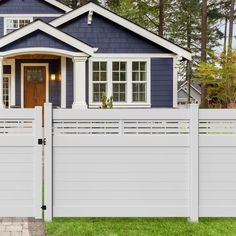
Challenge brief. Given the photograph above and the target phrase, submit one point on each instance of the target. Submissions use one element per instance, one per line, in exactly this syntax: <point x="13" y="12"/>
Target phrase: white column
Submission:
<point x="79" y="83"/>
<point x="1" y="83"/>
<point x="63" y="82"/>
<point x="194" y="164"/>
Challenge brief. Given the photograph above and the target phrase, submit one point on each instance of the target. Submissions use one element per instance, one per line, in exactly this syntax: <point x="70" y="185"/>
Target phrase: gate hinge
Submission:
<point x="42" y="141"/>
<point x="44" y="207"/>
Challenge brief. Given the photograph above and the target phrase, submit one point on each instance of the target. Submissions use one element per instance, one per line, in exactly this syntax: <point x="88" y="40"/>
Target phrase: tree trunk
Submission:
<point x="74" y="4"/>
<point x="231" y="26"/>
<point x="203" y="48"/>
<point x="225" y="35"/>
<point x="161" y="18"/>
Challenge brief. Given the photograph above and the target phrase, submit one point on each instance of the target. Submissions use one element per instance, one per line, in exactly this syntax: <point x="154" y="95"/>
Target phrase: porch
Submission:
<point x="31" y="79"/>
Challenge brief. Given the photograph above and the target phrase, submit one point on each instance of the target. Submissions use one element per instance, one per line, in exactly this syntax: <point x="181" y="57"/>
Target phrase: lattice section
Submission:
<point x="120" y="127"/>
<point x="16" y="127"/>
<point x="86" y="127"/>
<point x="153" y="127"/>
<point x="218" y="127"/>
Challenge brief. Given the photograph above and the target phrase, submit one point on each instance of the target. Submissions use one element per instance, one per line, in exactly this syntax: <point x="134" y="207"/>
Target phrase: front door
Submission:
<point x="34" y="86"/>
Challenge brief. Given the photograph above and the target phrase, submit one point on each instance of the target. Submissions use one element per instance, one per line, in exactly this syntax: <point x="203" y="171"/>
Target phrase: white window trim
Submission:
<point x="15" y="17"/>
<point x="9" y="89"/>
<point x="46" y="65"/>
<point x="129" y="103"/>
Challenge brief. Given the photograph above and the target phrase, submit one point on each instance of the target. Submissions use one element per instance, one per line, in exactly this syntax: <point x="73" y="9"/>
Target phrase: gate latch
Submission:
<point x="44" y="207"/>
<point x="42" y="141"/>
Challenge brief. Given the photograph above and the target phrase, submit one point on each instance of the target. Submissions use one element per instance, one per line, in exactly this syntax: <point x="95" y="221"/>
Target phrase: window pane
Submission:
<point x="115" y="88"/>
<point x="103" y="66"/>
<point x="123" y="66"/>
<point x="115" y="76"/>
<point x="122" y="76"/>
<point x="96" y="66"/>
<point x="143" y="66"/>
<point x="142" y="76"/>
<point x="135" y="76"/>
<point x="95" y="76"/>
<point x="115" y="66"/>
<point x="122" y="88"/>
<point x="135" y="65"/>
<point x="122" y="97"/>
<point x="98" y="90"/>
<point x="103" y="76"/>
<point x="119" y="92"/>
<point x="139" y="92"/>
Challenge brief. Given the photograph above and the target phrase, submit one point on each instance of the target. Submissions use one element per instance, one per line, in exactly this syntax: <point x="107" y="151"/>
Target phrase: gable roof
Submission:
<point x="48" y="29"/>
<point x="59" y="5"/>
<point x="92" y="7"/>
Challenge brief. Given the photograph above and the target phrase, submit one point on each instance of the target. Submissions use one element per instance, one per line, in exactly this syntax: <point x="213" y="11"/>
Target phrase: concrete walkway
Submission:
<point x="21" y="227"/>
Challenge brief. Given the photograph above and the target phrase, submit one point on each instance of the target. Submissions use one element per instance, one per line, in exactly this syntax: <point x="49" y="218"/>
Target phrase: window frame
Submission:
<point x="129" y="92"/>
<point x="15" y="18"/>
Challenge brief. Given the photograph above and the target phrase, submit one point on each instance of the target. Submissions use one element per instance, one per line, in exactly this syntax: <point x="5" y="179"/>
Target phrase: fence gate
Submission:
<point x="20" y="163"/>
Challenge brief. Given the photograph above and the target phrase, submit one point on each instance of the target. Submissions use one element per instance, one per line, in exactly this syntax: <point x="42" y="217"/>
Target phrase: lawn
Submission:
<point x="140" y="227"/>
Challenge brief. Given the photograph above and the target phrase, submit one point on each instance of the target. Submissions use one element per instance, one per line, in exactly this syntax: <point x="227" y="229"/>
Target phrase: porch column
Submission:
<point x="79" y="83"/>
<point x="1" y="84"/>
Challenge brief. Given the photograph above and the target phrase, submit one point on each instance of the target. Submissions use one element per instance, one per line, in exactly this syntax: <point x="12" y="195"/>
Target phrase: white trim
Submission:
<point x="59" y="5"/>
<point x="15" y="17"/>
<point x="181" y="87"/>
<point x="22" y="80"/>
<point x="175" y="83"/>
<point x="9" y="89"/>
<point x="124" y="23"/>
<point x="40" y="25"/>
<point x="36" y="50"/>
<point x="63" y="82"/>
<point x="129" y="102"/>
<point x="11" y="62"/>
<point x="134" y="55"/>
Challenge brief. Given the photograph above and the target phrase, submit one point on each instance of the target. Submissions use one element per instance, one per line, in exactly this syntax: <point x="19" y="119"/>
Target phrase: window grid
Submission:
<point x="6" y="87"/>
<point x="119" y="80"/>
<point x="13" y="24"/>
<point x="99" y="80"/>
<point x="139" y="81"/>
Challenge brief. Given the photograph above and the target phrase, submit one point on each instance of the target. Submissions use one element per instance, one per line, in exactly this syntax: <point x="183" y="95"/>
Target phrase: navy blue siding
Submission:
<point x="7" y="69"/>
<point x="38" y="39"/>
<point x="1" y="26"/>
<point x="162" y="82"/>
<point x="45" y="19"/>
<point x="28" y="7"/>
<point x="109" y="37"/>
<point x="69" y="83"/>
<point x="54" y="86"/>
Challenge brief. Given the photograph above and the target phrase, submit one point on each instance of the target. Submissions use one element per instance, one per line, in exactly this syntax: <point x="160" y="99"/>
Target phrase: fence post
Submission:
<point x="194" y="164"/>
<point x="48" y="168"/>
<point x="38" y="161"/>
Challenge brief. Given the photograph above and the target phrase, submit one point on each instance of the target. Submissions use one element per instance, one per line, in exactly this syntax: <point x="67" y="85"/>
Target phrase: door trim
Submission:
<point x="23" y="65"/>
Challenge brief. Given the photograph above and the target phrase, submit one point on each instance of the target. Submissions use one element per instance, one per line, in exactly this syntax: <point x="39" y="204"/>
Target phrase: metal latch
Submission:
<point x="42" y="141"/>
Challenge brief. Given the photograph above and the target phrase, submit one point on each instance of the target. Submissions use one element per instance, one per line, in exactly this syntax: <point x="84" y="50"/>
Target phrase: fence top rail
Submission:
<point x="17" y="114"/>
<point x="217" y="114"/>
<point x="121" y="114"/>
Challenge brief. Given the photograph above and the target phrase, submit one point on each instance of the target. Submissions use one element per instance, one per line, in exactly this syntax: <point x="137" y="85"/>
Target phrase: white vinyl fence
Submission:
<point x="20" y="163"/>
<point x="140" y="163"/>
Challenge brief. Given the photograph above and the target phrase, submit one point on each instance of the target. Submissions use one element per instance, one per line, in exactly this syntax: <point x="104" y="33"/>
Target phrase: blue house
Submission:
<point x="51" y="53"/>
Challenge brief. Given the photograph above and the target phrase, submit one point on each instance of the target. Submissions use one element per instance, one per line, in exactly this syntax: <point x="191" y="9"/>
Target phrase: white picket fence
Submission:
<point x="140" y="163"/>
<point x="20" y="163"/>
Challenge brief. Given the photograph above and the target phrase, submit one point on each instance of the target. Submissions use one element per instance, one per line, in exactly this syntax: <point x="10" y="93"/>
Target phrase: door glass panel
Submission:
<point x="34" y="75"/>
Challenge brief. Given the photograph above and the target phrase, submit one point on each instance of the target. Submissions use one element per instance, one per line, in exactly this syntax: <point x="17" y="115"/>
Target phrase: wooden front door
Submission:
<point x="34" y="86"/>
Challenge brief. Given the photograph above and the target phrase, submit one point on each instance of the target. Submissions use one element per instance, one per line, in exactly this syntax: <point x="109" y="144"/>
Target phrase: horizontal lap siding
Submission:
<point x="109" y="37"/>
<point x="45" y="19"/>
<point x="1" y="26"/>
<point x="17" y="181"/>
<point x="92" y="181"/>
<point x="28" y="7"/>
<point x="217" y="181"/>
<point x="162" y="82"/>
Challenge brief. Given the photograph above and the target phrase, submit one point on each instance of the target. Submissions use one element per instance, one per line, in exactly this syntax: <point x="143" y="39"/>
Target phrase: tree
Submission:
<point x="215" y="76"/>
<point x="231" y="26"/>
<point x="161" y="18"/>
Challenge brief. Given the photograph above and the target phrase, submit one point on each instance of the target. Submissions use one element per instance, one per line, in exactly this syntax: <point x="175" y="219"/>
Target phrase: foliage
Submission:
<point x="107" y="103"/>
<point x="140" y="227"/>
<point x="219" y="77"/>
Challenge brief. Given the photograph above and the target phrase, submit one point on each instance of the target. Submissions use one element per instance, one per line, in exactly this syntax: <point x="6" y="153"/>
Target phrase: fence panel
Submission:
<point x="20" y="163"/>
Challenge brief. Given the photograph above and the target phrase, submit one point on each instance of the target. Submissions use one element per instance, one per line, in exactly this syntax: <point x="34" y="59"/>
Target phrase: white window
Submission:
<point x="126" y="79"/>
<point x="119" y="81"/>
<point x="6" y="90"/>
<point x="12" y="24"/>
<point x="99" y="80"/>
<point x="139" y="81"/>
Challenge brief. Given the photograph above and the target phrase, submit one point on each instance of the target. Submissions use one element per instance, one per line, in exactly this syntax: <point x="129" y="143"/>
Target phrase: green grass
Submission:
<point x="140" y="227"/>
